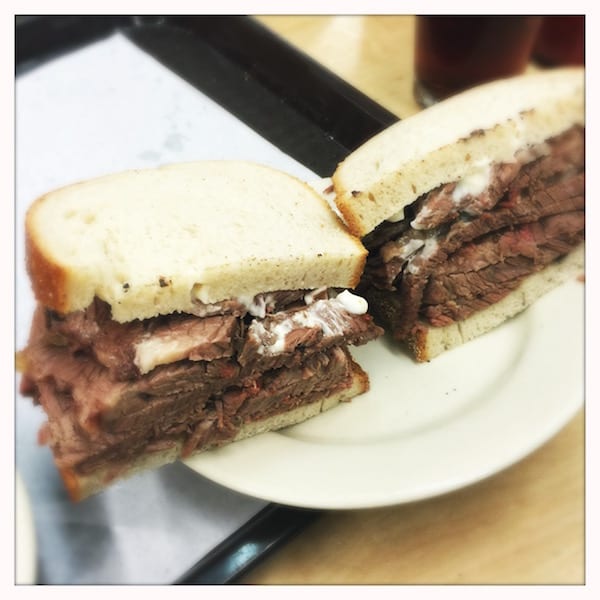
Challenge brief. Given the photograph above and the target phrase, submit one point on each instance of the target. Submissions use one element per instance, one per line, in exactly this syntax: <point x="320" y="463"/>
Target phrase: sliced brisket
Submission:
<point x="114" y="390"/>
<point x="465" y="256"/>
<point x="194" y="417"/>
<point x="129" y="349"/>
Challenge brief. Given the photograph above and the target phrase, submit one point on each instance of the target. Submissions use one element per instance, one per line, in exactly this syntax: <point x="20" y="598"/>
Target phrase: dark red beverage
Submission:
<point x="561" y="41"/>
<point x="453" y="53"/>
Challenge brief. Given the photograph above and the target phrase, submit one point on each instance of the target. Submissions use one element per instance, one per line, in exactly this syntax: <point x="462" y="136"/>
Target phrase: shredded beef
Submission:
<point x="184" y="415"/>
<point x="84" y="369"/>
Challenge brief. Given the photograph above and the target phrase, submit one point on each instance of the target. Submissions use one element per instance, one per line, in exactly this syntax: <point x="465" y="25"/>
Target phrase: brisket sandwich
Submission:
<point x="471" y="209"/>
<point x="183" y="308"/>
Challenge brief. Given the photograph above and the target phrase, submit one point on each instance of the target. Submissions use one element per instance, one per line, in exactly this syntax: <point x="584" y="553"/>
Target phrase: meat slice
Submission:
<point x="323" y="324"/>
<point x="522" y="205"/>
<point x="481" y="274"/>
<point x="194" y="339"/>
<point x="197" y="417"/>
<point x="95" y="396"/>
<point x="458" y="266"/>
<point x="447" y="202"/>
<point x="131" y="349"/>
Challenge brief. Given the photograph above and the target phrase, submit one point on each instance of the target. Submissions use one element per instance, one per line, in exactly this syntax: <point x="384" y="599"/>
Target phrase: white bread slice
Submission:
<point x="428" y="342"/>
<point x="149" y="241"/>
<point x="82" y="486"/>
<point x="444" y="142"/>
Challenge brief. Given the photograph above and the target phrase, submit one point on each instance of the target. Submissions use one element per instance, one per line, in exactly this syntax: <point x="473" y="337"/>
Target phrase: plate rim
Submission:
<point x="210" y="464"/>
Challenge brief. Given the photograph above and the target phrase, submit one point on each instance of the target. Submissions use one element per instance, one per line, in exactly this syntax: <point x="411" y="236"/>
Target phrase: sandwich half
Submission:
<point x="183" y="308"/>
<point x="471" y="209"/>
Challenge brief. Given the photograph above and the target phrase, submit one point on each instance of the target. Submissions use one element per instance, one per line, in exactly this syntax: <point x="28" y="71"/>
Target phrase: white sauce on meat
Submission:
<point x="310" y="297"/>
<point x="474" y="182"/>
<point x="411" y="247"/>
<point x="531" y="153"/>
<point x="424" y="213"/>
<point x="280" y="331"/>
<point x="328" y="315"/>
<point x="256" y="305"/>
<point x="354" y="304"/>
<point x="429" y="248"/>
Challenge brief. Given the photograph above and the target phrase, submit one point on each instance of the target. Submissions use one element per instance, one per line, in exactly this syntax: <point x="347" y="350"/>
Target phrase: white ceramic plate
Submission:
<point x="25" y="544"/>
<point x="423" y="429"/>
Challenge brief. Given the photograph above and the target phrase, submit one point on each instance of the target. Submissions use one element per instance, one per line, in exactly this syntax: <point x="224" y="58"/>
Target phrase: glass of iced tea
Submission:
<point x="561" y="41"/>
<point x="453" y="53"/>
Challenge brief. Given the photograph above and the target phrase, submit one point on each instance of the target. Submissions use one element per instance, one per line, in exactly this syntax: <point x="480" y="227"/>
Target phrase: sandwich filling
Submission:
<point x="115" y="391"/>
<point x="467" y="244"/>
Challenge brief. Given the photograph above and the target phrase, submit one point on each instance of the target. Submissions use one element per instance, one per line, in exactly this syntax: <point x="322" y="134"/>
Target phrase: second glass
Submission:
<point x="453" y="53"/>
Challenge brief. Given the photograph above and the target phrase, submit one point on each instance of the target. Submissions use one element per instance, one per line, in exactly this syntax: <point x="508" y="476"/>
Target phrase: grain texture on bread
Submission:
<point x="440" y="144"/>
<point x="112" y="238"/>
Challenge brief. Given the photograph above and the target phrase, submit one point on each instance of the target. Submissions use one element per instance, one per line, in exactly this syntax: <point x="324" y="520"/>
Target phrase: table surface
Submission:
<point x="523" y="525"/>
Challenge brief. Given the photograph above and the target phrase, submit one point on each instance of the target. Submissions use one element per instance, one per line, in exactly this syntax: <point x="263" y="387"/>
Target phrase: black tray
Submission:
<point x="284" y="95"/>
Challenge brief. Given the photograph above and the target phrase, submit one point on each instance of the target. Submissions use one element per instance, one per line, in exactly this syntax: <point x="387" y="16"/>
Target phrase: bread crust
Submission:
<point x="80" y="487"/>
<point x="48" y="279"/>
<point x="155" y="241"/>
<point x="361" y="251"/>
<point x="437" y="146"/>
